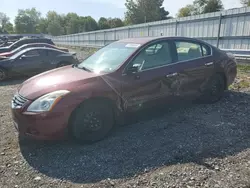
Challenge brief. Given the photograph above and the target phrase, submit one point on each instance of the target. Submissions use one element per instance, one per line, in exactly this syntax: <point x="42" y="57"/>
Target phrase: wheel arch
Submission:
<point x="223" y="75"/>
<point x="104" y="100"/>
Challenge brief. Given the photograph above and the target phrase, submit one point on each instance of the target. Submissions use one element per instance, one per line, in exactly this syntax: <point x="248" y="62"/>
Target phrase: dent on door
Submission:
<point x="140" y="92"/>
<point x="170" y="86"/>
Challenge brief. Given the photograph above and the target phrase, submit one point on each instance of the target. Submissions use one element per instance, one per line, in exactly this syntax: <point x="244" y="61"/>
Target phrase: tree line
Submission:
<point x="137" y="11"/>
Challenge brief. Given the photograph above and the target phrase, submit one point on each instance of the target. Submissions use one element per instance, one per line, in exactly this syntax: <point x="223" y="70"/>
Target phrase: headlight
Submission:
<point x="46" y="102"/>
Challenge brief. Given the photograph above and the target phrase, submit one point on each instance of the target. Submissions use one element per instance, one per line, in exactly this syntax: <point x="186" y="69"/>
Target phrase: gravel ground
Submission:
<point x="182" y="146"/>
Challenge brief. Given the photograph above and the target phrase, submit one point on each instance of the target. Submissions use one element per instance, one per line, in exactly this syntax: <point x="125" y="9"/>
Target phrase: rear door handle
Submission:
<point x="172" y="75"/>
<point x="209" y="64"/>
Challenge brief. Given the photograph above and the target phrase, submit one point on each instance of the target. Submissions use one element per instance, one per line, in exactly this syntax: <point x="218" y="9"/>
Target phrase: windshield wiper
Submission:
<point x="74" y="65"/>
<point x="83" y="68"/>
<point x="86" y="69"/>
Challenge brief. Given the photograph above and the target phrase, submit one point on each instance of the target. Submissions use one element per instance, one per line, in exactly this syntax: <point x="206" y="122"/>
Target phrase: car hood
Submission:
<point x="65" y="78"/>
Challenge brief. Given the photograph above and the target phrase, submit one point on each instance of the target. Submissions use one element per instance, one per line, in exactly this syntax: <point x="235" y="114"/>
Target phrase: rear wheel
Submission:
<point x="3" y="74"/>
<point x="92" y="121"/>
<point x="214" y="90"/>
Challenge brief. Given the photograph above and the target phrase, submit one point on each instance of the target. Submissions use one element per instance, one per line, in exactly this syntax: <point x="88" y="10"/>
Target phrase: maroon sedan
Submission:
<point x="87" y="100"/>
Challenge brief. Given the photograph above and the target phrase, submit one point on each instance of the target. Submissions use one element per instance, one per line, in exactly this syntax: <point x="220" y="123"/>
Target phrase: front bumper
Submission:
<point x="43" y="126"/>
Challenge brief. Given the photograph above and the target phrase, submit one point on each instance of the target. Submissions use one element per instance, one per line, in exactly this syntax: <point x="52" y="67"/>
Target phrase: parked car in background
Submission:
<point x="31" y="45"/>
<point x="4" y="44"/>
<point x="85" y="101"/>
<point x="34" y="60"/>
<point x="4" y="41"/>
<point x="23" y="41"/>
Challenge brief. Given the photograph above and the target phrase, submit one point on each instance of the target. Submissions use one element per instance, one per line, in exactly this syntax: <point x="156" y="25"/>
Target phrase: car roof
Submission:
<point x="30" y="44"/>
<point x="144" y="40"/>
<point x="35" y="39"/>
<point x="42" y="48"/>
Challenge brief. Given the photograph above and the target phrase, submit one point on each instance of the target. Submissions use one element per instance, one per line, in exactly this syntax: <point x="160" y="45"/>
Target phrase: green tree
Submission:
<point x="9" y="28"/>
<point x="213" y="6"/>
<point x="201" y="7"/>
<point x="89" y="24"/>
<point x="245" y="2"/>
<point x="103" y="23"/>
<point x="43" y="25"/>
<point x="186" y="11"/>
<point x="72" y="23"/>
<point x="207" y="6"/>
<point x="4" y="20"/>
<point x="27" y="21"/>
<point x="55" y="23"/>
<point x="140" y="11"/>
<point x="115" y="22"/>
<point x="82" y="22"/>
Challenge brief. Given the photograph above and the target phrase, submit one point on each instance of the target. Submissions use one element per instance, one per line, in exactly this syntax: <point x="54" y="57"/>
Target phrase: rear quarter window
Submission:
<point x="206" y="50"/>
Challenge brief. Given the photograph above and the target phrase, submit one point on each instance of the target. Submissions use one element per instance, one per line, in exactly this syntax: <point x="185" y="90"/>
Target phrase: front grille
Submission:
<point x="18" y="101"/>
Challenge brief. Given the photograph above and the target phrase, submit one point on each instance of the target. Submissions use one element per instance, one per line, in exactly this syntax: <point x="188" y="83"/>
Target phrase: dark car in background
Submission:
<point x="34" y="60"/>
<point x="23" y="41"/>
<point x="85" y="101"/>
<point x="4" y="41"/>
<point x="31" y="45"/>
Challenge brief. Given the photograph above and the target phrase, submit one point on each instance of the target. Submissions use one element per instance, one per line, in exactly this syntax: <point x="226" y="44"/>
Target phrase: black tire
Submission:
<point x="62" y="64"/>
<point x="214" y="90"/>
<point x="92" y="122"/>
<point x="3" y="74"/>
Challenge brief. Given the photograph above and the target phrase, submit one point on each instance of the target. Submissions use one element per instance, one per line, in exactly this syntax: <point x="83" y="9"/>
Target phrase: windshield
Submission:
<point x="109" y="58"/>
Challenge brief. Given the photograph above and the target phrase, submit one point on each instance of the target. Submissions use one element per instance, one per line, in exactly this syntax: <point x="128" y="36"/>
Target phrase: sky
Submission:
<point x="94" y="8"/>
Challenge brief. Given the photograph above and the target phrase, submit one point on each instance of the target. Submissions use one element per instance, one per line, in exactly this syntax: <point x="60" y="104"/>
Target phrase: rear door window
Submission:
<point x="187" y="50"/>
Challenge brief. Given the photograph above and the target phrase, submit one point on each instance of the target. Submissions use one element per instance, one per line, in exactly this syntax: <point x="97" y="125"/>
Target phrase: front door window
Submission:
<point x="153" y="56"/>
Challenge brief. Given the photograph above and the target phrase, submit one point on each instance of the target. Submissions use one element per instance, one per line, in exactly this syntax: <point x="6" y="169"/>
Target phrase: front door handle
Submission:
<point x="209" y="64"/>
<point x="172" y="75"/>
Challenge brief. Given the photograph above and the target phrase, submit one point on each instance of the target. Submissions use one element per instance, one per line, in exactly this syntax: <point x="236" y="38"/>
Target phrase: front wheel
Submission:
<point x="214" y="90"/>
<point x="92" y="122"/>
